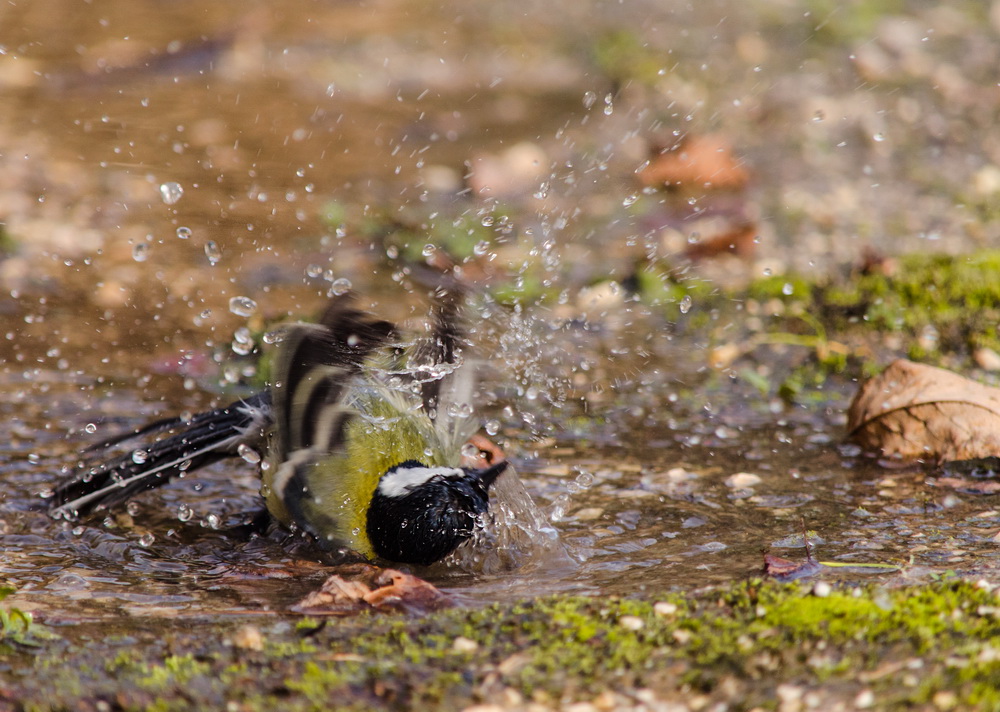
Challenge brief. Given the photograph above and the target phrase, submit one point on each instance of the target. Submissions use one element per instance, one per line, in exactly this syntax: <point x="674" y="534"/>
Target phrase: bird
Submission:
<point x="362" y="439"/>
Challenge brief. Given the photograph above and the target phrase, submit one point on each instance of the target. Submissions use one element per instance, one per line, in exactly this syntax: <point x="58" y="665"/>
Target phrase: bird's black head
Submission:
<point x="420" y="514"/>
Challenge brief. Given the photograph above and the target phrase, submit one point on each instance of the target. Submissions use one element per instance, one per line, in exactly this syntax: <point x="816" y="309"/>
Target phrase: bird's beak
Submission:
<point x="488" y="476"/>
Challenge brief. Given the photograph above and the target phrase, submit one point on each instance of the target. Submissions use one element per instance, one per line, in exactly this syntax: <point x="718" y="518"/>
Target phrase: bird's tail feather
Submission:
<point x="198" y="441"/>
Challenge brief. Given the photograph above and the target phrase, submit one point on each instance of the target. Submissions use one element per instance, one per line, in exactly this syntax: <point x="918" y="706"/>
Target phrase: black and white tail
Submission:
<point x="183" y="445"/>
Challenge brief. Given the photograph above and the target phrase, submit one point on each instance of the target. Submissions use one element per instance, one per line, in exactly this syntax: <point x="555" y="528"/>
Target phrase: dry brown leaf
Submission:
<point x="356" y="588"/>
<point x="698" y="161"/>
<point x="739" y="241"/>
<point x="917" y="412"/>
<point x="786" y="570"/>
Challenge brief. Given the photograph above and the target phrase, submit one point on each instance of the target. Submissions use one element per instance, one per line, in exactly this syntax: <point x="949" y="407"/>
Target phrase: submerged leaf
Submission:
<point x="912" y="411"/>
<point x="785" y="570"/>
<point x="362" y="587"/>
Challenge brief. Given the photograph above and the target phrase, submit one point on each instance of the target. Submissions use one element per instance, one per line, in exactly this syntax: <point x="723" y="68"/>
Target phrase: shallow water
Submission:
<point x="658" y="512"/>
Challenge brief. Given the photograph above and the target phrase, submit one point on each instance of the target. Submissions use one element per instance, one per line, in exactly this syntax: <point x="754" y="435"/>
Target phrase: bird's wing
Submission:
<point x="315" y="362"/>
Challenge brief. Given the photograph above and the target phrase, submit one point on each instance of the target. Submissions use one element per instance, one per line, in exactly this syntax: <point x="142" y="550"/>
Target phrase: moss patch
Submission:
<point x="899" y="648"/>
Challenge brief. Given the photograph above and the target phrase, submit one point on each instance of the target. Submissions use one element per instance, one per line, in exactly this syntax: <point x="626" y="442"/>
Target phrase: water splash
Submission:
<point x="242" y="306"/>
<point x="171" y="192"/>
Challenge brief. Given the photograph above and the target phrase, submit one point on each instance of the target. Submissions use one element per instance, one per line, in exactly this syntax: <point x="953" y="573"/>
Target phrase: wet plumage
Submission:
<point x="355" y="463"/>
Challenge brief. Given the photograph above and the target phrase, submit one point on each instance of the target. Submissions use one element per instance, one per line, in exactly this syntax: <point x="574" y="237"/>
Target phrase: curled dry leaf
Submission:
<point x="362" y="587"/>
<point x="917" y="412"/>
<point x="739" y="241"/>
<point x="697" y="161"/>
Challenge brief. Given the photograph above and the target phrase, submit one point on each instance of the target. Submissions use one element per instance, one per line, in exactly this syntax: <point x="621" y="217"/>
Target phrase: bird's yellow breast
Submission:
<point x="340" y="484"/>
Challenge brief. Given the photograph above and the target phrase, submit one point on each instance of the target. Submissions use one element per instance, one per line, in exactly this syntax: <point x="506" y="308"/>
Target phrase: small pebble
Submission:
<point x="663" y="608"/>
<point x="461" y="644"/>
<point x="248" y="638"/>
<point x="631" y="622"/>
<point x="944" y="700"/>
<point x="987" y="359"/>
<point x="742" y="479"/>
<point x="682" y="636"/>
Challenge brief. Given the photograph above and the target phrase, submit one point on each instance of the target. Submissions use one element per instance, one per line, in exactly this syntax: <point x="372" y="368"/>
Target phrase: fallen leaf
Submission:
<point x="786" y="570"/>
<point x="912" y="411"/>
<point x="697" y="161"/>
<point x="356" y="588"/>
<point x="739" y="241"/>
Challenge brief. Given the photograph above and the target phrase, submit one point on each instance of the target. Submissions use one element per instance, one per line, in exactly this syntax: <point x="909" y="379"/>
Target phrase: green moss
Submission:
<point x="175" y="670"/>
<point x="18" y="629"/>
<point x="738" y="642"/>
<point x="952" y="301"/>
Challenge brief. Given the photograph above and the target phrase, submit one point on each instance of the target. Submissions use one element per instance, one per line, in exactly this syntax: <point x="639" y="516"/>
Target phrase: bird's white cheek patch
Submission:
<point x="403" y="480"/>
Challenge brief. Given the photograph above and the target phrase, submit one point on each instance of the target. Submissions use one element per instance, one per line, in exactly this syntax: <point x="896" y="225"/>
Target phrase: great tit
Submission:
<point x="363" y="440"/>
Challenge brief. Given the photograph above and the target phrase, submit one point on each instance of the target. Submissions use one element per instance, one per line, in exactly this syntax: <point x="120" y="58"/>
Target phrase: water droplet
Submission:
<point x="879" y="137"/>
<point x="481" y="248"/>
<point x="589" y="98"/>
<point x="133" y="509"/>
<point x="314" y="271"/>
<point x="459" y="410"/>
<point x="428" y="250"/>
<point x="140" y="251"/>
<point x="184" y="513"/>
<point x="685" y="304"/>
<point x="331" y="89"/>
<point x="242" y="341"/>
<point x="213" y="252"/>
<point x="171" y="192"/>
<point x="609" y="107"/>
<point x="470" y="451"/>
<point x="819" y="116"/>
<point x="184" y="232"/>
<point x="492" y="427"/>
<point x="248" y="453"/>
<point x="543" y="192"/>
<point x="242" y="306"/>
<point x="139" y="456"/>
<point x="488" y="221"/>
<point x="584" y="480"/>
<point x="630" y="200"/>
<point x="212" y="521"/>
<point x="274" y="337"/>
<point x="90" y="428"/>
<point x="787" y="289"/>
<point x="340" y="286"/>
<point x="146" y="540"/>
